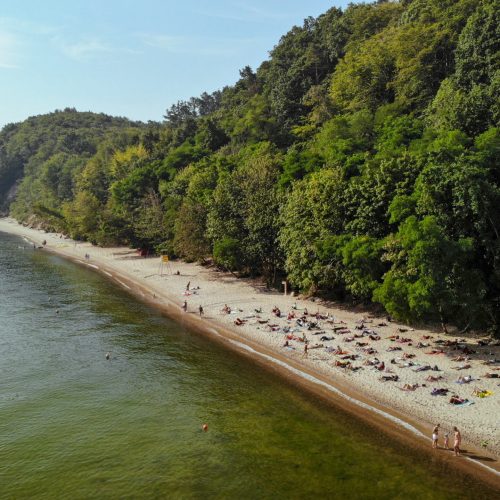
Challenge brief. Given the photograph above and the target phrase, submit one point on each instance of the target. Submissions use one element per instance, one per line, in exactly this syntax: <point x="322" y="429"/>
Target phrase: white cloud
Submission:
<point x="8" y="51"/>
<point x="167" y="42"/>
<point x="207" y="46"/>
<point x="82" y="49"/>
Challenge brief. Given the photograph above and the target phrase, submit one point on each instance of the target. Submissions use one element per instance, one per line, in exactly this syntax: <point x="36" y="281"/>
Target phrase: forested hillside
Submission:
<point x="49" y="150"/>
<point x="360" y="161"/>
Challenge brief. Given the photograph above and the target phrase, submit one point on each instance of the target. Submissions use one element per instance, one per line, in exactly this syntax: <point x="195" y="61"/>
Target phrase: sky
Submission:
<point x="133" y="58"/>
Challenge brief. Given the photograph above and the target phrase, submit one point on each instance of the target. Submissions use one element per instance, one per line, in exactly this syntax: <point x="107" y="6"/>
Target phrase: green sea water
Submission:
<point x="74" y="425"/>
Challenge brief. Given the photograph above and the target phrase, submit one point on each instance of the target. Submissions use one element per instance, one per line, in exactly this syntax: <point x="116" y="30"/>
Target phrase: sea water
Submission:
<point x="76" y="425"/>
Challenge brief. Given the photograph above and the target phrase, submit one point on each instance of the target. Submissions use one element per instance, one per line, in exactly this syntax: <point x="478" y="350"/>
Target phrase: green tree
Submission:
<point x="431" y="275"/>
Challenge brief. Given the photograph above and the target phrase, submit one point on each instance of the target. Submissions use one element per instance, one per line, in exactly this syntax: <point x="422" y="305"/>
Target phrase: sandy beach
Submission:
<point x="370" y="365"/>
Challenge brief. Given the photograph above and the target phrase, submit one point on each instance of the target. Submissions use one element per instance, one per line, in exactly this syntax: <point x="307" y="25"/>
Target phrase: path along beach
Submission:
<point x="381" y="370"/>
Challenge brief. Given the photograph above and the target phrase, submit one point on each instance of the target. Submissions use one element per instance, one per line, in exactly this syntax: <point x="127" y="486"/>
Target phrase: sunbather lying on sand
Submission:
<point x="439" y="392"/>
<point x="465" y="380"/>
<point x="389" y="378"/>
<point x="410" y="387"/>
<point x="342" y="364"/>
<point x="239" y="321"/>
<point x="432" y="378"/>
<point x="457" y="400"/>
<point x="491" y="375"/>
<point x="481" y="393"/>
<point x="462" y="367"/>
<point x="491" y="362"/>
<point x="339" y="351"/>
<point x="315" y="346"/>
<point x="394" y="348"/>
<point x="421" y="345"/>
<point x="324" y="338"/>
<point x="422" y="368"/>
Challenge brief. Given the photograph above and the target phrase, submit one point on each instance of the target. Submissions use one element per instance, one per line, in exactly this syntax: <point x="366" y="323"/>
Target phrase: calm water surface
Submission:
<point x="73" y="425"/>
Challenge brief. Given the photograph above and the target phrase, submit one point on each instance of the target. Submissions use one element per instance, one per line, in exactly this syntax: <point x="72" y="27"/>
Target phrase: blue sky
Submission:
<point x="132" y="58"/>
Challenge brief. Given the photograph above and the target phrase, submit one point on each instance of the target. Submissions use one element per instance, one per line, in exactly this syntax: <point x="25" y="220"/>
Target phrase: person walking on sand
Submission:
<point x="201" y="310"/>
<point x="435" y="436"/>
<point x="187" y="286"/>
<point x="185" y="306"/>
<point x="457" y="442"/>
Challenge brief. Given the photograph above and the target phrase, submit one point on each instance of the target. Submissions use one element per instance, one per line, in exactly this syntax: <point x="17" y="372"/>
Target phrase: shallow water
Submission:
<point x="74" y="425"/>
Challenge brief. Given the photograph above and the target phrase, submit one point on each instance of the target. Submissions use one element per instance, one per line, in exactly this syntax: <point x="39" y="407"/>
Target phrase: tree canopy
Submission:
<point x="360" y="161"/>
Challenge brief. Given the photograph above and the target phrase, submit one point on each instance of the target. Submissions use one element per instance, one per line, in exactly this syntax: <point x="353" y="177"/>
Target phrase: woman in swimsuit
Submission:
<point x="435" y="436"/>
<point x="458" y="442"/>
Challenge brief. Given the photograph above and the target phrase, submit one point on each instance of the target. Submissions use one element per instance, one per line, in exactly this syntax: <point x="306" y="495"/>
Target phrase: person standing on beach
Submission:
<point x="447" y="441"/>
<point x="185" y="306"/>
<point x="435" y="436"/>
<point x="201" y="310"/>
<point x="457" y="442"/>
<point x="187" y="286"/>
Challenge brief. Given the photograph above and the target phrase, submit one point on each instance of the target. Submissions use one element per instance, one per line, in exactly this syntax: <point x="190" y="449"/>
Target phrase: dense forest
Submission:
<point x="359" y="161"/>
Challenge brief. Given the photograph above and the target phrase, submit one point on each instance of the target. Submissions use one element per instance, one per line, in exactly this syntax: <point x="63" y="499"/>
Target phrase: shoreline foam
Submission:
<point x="388" y="407"/>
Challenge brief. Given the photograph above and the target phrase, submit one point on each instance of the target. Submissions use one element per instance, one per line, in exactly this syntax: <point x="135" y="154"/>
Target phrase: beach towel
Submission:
<point x="484" y="394"/>
<point x="465" y="403"/>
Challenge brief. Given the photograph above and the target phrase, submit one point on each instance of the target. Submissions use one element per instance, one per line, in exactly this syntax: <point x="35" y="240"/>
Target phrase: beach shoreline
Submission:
<point x="408" y="416"/>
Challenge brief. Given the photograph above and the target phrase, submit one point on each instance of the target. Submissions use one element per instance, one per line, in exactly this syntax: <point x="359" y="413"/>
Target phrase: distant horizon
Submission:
<point x="133" y="61"/>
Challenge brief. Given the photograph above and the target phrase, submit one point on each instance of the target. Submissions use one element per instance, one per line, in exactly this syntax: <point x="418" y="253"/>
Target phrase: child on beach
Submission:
<point x="447" y="440"/>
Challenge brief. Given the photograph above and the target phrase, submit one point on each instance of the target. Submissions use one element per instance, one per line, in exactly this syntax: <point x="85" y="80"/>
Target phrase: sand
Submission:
<point x="412" y="411"/>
